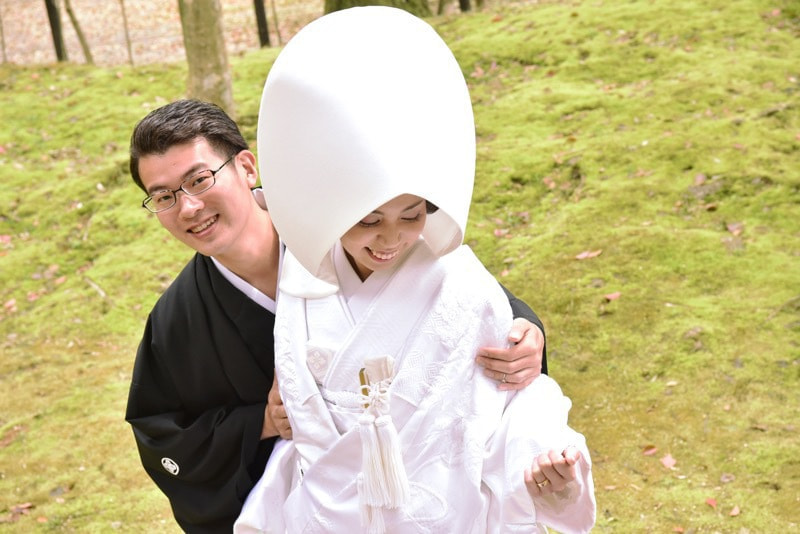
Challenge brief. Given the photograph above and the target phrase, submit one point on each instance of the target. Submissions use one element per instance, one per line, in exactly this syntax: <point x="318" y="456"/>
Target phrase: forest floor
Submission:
<point x="636" y="184"/>
<point x="154" y="27"/>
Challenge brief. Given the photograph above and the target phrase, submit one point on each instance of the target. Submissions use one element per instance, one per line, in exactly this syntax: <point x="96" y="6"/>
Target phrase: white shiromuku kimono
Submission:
<point x="465" y="445"/>
<point x="361" y="106"/>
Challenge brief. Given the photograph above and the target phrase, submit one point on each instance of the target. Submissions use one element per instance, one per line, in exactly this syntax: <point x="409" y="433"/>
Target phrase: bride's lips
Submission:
<point x="383" y="256"/>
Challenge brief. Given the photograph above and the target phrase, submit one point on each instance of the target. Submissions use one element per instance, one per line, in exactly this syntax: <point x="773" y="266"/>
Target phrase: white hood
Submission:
<point x="361" y="106"/>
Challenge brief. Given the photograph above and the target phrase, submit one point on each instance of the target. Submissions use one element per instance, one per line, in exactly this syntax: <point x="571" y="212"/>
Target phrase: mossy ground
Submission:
<point x="665" y="135"/>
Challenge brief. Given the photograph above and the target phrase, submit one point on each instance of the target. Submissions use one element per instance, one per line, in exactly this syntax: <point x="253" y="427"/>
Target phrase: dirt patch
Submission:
<point x="154" y="27"/>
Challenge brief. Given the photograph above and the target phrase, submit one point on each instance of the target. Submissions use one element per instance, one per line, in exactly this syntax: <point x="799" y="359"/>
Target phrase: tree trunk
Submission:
<point x="127" y="34"/>
<point x="87" y="53"/>
<point x="464" y="5"/>
<point x="276" y="23"/>
<point x="419" y="8"/>
<point x="261" y="22"/>
<point x="440" y="8"/>
<point x="204" y="41"/>
<point x="55" y="28"/>
<point x="3" y="39"/>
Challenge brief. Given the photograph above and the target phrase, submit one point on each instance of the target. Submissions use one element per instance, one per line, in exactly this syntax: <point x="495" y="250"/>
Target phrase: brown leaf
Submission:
<point x="649" y="450"/>
<point x="612" y="296"/>
<point x="585" y="255"/>
<point x="668" y="461"/>
<point x="735" y="228"/>
<point x="735" y="511"/>
<point x="677" y="529"/>
<point x="712" y="502"/>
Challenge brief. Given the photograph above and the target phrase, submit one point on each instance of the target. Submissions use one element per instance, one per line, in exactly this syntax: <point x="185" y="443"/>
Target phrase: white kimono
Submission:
<point x="465" y="445"/>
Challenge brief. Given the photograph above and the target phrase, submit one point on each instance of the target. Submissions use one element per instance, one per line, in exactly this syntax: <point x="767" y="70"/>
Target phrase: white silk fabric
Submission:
<point x="465" y="445"/>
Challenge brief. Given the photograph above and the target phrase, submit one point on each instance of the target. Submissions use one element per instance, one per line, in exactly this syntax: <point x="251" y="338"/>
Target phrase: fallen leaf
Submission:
<point x="585" y="255"/>
<point x="735" y="228"/>
<point x="677" y="529"/>
<point x="712" y="502"/>
<point x="612" y="296"/>
<point x="727" y="477"/>
<point x="668" y="461"/>
<point x="649" y="450"/>
<point x="735" y="511"/>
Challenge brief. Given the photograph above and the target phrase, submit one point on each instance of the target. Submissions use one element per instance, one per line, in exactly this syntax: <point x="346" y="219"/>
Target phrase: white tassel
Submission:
<point x="374" y="486"/>
<point x="383" y="482"/>
<point x="371" y="516"/>
<point x="376" y="524"/>
<point x="394" y="470"/>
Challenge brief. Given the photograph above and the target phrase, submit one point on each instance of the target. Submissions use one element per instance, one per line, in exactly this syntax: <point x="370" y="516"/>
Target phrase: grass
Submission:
<point x="666" y="136"/>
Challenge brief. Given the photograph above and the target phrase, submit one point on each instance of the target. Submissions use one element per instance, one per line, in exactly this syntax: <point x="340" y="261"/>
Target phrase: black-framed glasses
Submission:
<point x="193" y="185"/>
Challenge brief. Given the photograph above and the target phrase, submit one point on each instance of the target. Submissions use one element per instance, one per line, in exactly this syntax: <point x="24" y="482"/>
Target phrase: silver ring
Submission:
<point x="503" y="380"/>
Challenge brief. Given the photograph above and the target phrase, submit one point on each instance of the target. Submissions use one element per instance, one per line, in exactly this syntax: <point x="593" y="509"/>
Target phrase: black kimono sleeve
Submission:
<point x="520" y="309"/>
<point x="198" y="395"/>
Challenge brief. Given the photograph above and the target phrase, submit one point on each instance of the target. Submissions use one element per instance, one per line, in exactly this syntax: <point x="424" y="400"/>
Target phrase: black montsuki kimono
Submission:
<point x="198" y="394"/>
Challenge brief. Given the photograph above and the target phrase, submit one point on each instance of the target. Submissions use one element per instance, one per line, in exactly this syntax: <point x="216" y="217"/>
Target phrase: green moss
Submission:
<point x="664" y="135"/>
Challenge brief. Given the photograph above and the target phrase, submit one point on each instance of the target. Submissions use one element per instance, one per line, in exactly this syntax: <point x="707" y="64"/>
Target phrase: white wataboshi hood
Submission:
<point x="361" y="106"/>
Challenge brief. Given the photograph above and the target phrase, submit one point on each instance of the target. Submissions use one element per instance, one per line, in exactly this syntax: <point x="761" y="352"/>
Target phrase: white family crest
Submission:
<point x="170" y="466"/>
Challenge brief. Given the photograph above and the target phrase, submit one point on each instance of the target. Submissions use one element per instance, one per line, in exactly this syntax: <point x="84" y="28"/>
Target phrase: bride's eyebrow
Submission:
<point x="415" y="204"/>
<point x="412" y="206"/>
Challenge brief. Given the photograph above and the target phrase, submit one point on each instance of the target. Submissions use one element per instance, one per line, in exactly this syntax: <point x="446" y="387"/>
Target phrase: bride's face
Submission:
<point x="382" y="238"/>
